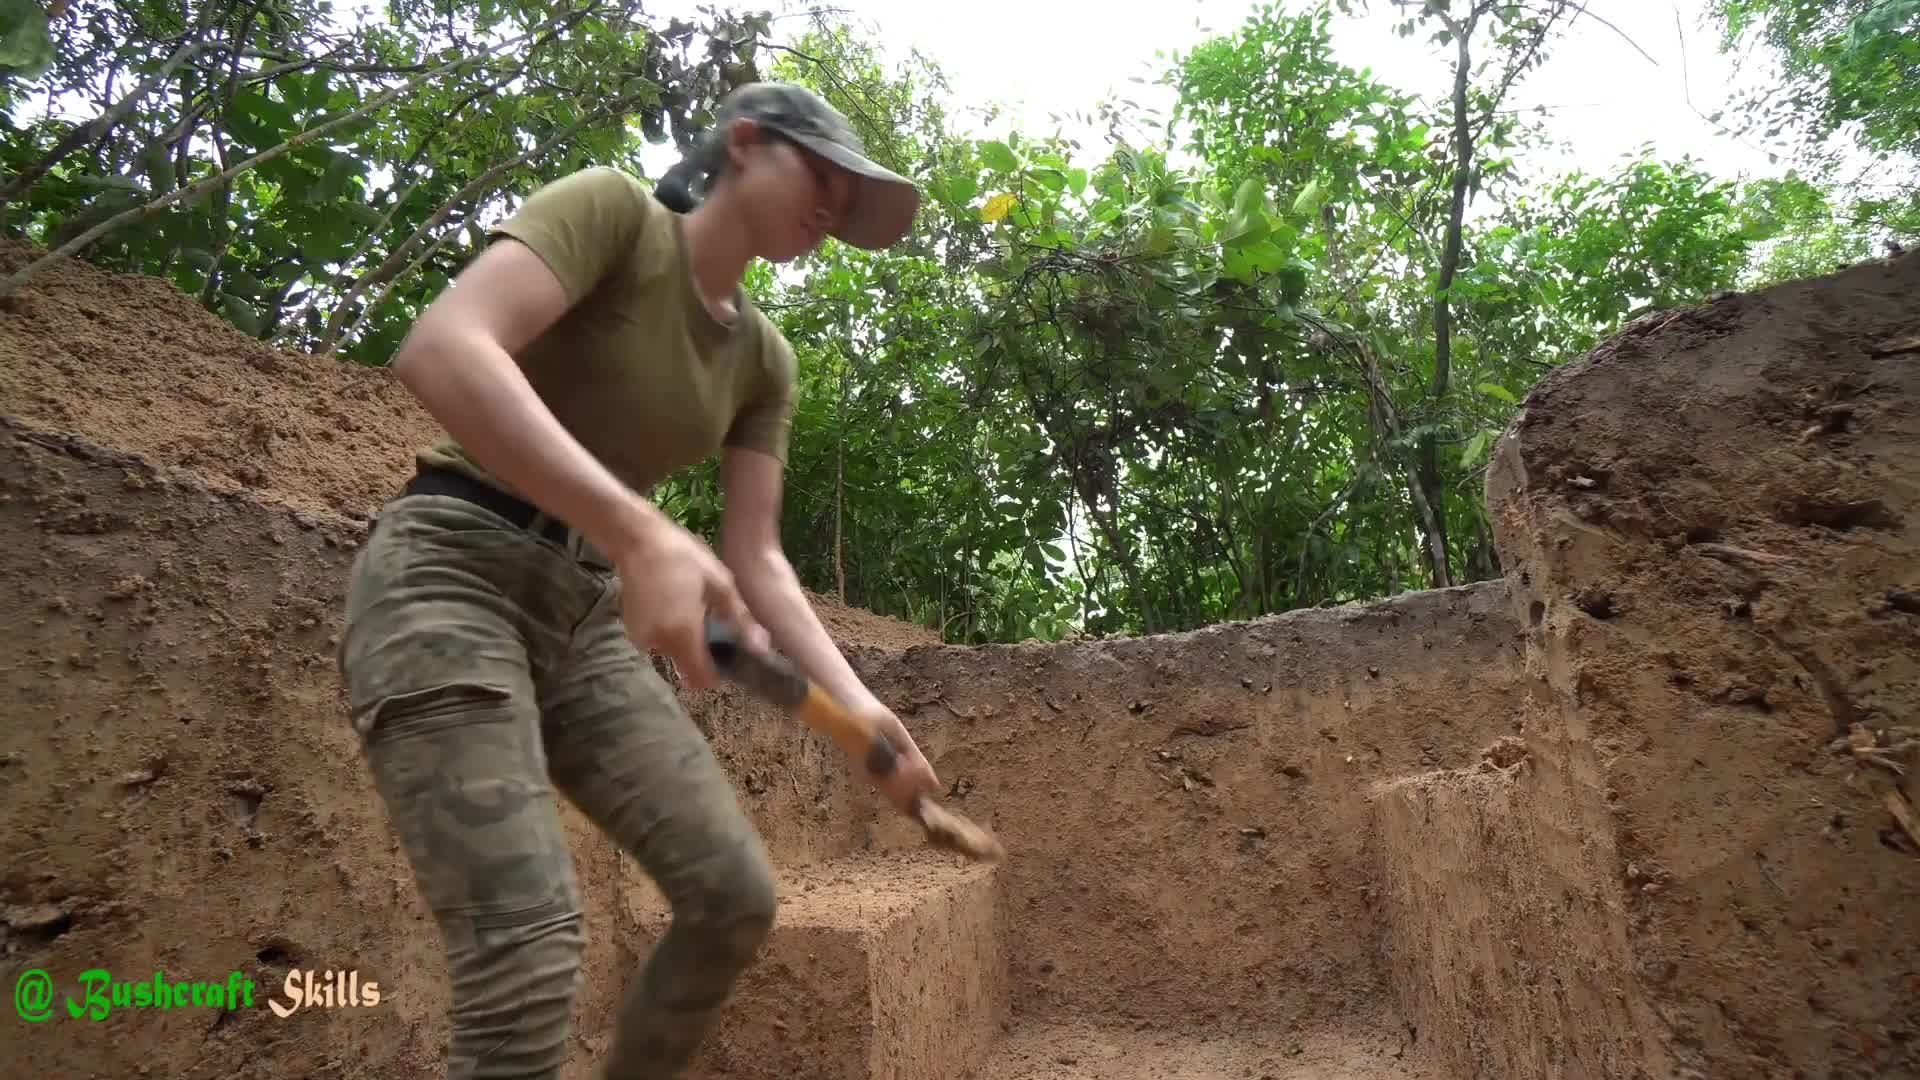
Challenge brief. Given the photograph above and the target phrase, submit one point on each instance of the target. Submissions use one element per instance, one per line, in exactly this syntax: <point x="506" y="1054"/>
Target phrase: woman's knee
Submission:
<point x="736" y="898"/>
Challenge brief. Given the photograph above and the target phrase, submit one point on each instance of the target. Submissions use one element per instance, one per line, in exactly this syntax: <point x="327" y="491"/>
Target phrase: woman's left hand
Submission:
<point x="912" y="777"/>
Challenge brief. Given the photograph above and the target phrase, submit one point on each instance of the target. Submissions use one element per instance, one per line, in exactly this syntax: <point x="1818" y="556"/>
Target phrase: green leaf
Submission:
<point x="1495" y="390"/>
<point x="26" y="45"/>
<point x="330" y="235"/>
<point x="155" y="164"/>
<point x="1293" y="282"/>
<point x="241" y="314"/>
<point x="1035" y="560"/>
<point x="962" y="188"/>
<point x="1051" y="179"/>
<point x="275" y="116"/>
<point x="1270" y="258"/>
<point x="113" y="183"/>
<point x="240" y="281"/>
<point x="998" y="156"/>
<point x="362" y="213"/>
<point x="340" y="171"/>
<point x="1476" y="446"/>
<point x="1308" y="201"/>
<point x="1247" y="224"/>
<point x="1077" y="181"/>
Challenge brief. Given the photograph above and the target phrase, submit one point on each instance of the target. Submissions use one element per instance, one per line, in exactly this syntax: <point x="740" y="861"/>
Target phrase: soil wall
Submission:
<point x="1711" y="527"/>
<point x="1188" y="815"/>
<point x="180" y="792"/>
<point x="1504" y="947"/>
<point x="183" y="794"/>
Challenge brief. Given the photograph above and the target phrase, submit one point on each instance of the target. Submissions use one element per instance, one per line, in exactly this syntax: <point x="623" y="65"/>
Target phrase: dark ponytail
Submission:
<point x="687" y="182"/>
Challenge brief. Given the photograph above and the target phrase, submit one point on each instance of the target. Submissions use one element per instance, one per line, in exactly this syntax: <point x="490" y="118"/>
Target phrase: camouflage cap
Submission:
<point x="884" y="202"/>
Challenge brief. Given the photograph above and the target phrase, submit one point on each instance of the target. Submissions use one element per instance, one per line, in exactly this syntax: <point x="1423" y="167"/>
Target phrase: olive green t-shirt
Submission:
<point x="638" y="369"/>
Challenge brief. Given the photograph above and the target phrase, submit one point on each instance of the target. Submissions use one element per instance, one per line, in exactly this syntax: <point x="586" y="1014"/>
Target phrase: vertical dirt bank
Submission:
<point x="182" y="793"/>
<point x="1711" y="527"/>
<point x="1503" y="945"/>
<point x="1188" y="815"/>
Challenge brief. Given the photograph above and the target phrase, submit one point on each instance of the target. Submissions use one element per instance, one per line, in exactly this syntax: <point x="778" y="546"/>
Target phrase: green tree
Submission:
<point x="315" y="182"/>
<point x="1850" y="81"/>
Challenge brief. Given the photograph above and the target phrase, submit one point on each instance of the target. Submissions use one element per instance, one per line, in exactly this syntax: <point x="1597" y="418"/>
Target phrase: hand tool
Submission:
<point x="776" y="680"/>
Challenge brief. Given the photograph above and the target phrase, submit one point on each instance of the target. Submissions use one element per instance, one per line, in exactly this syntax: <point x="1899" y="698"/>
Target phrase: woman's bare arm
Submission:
<point x="458" y="361"/>
<point x="750" y="546"/>
<point x="750" y="542"/>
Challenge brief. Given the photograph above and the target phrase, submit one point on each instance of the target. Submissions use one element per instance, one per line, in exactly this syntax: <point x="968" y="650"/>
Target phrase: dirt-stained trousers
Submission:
<point x="487" y="668"/>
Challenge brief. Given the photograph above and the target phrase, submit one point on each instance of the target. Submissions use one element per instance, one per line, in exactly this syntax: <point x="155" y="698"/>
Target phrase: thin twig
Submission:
<point x="397" y="264"/>
<point x="1729" y="553"/>
<point x="1897" y="806"/>
<point x="1623" y="34"/>
<point x="1686" y="85"/>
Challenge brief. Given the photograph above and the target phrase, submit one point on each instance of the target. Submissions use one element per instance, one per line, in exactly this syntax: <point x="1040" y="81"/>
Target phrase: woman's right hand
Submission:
<point x="670" y="582"/>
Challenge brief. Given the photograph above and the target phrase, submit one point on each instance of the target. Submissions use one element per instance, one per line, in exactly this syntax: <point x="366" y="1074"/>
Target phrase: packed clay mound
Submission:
<point x="133" y="363"/>
<point x="852" y="625"/>
<point x="1712" y="526"/>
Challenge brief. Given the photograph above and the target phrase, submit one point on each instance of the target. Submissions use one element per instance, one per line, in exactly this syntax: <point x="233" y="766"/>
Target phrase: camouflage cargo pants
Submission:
<point x="486" y="669"/>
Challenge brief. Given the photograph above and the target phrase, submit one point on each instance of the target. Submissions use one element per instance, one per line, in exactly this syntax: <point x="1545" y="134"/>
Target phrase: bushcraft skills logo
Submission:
<point x="97" y="993"/>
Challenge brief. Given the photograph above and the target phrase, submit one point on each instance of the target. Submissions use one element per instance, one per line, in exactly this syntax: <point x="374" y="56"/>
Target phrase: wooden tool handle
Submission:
<point x="776" y="680"/>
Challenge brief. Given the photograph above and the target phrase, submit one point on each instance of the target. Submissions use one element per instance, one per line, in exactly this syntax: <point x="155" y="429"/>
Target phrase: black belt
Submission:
<point x="435" y="481"/>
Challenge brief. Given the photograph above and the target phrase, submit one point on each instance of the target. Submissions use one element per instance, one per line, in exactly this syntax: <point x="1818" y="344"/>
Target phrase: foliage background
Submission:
<point x="1249" y="359"/>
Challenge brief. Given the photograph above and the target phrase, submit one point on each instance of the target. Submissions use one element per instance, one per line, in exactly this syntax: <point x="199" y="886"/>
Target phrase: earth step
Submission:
<point x="1081" y="1050"/>
<point x="880" y="967"/>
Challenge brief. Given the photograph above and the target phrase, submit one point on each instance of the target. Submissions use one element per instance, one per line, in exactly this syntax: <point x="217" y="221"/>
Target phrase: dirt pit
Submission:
<point x="1642" y="809"/>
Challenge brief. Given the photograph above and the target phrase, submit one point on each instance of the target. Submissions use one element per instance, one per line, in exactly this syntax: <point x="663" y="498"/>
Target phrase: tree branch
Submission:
<point x="100" y="125"/>
<point x="386" y="289"/>
<point x="12" y="284"/>
<point x="398" y="262"/>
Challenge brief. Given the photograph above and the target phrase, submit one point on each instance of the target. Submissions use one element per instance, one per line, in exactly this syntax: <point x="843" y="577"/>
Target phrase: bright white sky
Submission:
<point x="1037" y="57"/>
<point x="1041" y="56"/>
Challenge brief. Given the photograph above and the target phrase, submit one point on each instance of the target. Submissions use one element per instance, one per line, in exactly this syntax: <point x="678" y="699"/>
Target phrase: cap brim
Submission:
<point x="883" y="205"/>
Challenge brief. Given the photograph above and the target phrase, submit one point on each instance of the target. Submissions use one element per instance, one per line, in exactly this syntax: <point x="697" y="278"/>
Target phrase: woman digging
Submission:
<point x="496" y="616"/>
